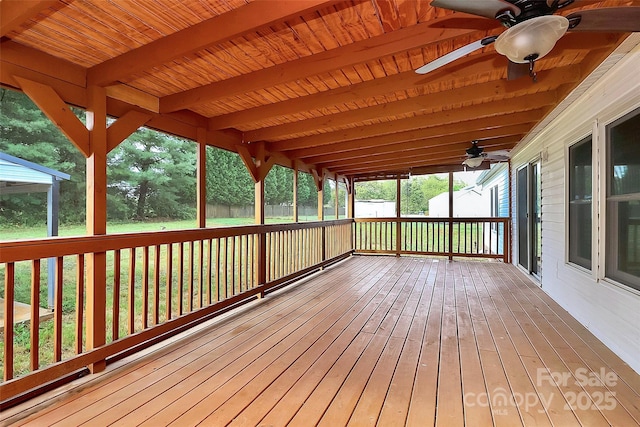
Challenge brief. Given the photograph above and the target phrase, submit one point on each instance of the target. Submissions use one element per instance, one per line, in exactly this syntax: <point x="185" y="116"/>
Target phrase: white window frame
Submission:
<point x="594" y="218"/>
<point x="600" y="199"/>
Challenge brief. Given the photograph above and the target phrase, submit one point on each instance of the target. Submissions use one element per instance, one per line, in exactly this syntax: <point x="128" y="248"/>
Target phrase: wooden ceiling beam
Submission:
<point x="42" y="63"/>
<point x="488" y="109"/>
<point x="483" y="92"/>
<point x="381" y="161"/>
<point x="400" y="165"/>
<point x="14" y="13"/>
<point x="504" y="134"/>
<point x="213" y="31"/>
<point x="466" y="127"/>
<point x="362" y="51"/>
<point x="425" y="144"/>
<point x="457" y="70"/>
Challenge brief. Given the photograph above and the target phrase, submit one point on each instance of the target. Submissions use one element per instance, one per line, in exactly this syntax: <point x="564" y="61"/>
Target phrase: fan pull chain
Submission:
<point x="532" y="73"/>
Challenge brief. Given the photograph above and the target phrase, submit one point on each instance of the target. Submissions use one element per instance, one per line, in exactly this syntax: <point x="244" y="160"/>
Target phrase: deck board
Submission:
<point x="371" y="341"/>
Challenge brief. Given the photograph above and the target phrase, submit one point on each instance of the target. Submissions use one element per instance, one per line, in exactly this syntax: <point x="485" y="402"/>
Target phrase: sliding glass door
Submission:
<point x="528" y="213"/>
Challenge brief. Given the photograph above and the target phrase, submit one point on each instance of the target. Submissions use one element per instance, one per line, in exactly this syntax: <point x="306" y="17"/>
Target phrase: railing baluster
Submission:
<point x="156" y="285"/>
<point x="209" y="270"/>
<point x="145" y="287"/>
<point x="180" y="278"/>
<point x="233" y="265"/>
<point x="57" y="311"/>
<point x="190" y="278"/>
<point x="240" y="261"/>
<point x="35" y="315"/>
<point x="217" y="294"/>
<point x="201" y="272"/>
<point x="226" y="267"/>
<point x="79" y="301"/>
<point x="131" y="291"/>
<point x="9" y="295"/>
<point x="115" y="312"/>
<point x="169" y="278"/>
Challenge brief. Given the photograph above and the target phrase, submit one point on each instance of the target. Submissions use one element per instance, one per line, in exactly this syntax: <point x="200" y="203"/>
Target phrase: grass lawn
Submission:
<point x="17" y="233"/>
<point x="69" y="303"/>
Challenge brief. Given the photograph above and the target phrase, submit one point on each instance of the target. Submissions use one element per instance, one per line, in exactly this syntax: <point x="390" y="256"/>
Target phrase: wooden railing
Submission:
<point x="157" y="284"/>
<point x="466" y="237"/>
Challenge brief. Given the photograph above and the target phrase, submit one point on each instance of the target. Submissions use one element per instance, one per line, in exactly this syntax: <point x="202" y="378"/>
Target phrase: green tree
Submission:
<point x="27" y="133"/>
<point x="307" y="191"/>
<point x="228" y="181"/>
<point x="153" y="175"/>
<point x="376" y="190"/>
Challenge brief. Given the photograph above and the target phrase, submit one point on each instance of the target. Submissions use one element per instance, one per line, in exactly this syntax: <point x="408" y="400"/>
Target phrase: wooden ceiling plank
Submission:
<point x="457" y="71"/>
<point x="216" y="30"/>
<point x="465" y="136"/>
<point x="14" y="13"/>
<point x="431" y="132"/>
<point x="448" y="151"/>
<point x="547" y="80"/>
<point x="344" y="94"/>
<point x="334" y="59"/>
<point x="425" y="144"/>
<point x="400" y="165"/>
<point x="495" y="108"/>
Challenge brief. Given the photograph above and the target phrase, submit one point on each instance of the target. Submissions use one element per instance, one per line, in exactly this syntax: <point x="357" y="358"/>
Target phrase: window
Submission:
<point x="623" y="200"/>
<point x="580" y="195"/>
<point x="494" y="206"/>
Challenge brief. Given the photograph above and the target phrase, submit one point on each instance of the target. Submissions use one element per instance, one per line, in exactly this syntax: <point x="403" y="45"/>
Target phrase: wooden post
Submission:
<point x="351" y="193"/>
<point x="202" y="178"/>
<point x="96" y="220"/>
<point x="450" y="216"/>
<point x="398" y="214"/>
<point x="262" y="237"/>
<point x="351" y="202"/>
<point x="295" y="194"/>
<point x="321" y="200"/>
<point x="337" y="204"/>
<point x="319" y="178"/>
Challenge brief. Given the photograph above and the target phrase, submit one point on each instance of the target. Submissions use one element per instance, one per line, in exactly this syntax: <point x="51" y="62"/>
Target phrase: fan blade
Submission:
<point x="515" y="70"/>
<point x="497" y="155"/>
<point x="609" y="20"/>
<point x="486" y="8"/>
<point x="456" y="54"/>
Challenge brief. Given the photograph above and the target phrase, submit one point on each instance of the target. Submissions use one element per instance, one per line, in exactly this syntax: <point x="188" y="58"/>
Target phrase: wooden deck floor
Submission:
<point x="372" y="341"/>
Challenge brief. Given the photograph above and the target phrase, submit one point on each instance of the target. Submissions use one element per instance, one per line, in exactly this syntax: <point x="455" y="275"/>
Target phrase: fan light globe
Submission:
<point x="473" y="162"/>
<point x="536" y="36"/>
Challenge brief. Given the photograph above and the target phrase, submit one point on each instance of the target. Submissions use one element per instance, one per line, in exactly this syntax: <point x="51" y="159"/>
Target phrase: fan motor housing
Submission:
<point x="530" y="9"/>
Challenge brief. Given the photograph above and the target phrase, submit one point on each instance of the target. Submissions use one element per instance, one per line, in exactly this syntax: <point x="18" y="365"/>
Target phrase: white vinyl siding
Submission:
<point x="610" y="310"/>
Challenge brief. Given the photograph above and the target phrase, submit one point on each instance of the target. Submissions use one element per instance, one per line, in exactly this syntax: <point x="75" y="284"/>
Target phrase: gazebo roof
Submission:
<point x="21" y="176"/>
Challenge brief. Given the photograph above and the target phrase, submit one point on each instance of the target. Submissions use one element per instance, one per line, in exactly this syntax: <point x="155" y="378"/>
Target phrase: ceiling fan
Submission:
<point x="476" y="155"/>
<point x="532" y="29"/>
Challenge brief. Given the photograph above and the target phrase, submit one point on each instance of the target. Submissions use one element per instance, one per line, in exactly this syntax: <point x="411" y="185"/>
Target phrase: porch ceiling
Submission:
<point x="327" y="85"/>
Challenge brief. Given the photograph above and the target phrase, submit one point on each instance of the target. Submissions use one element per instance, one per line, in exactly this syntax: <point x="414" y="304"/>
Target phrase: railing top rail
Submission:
<point x="434" y="219"/>
<point x="24" y="250"/>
